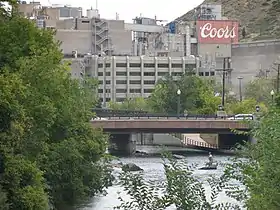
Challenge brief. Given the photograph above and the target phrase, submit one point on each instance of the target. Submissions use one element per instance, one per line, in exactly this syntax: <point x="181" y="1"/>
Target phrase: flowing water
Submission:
<point x="154" y="172"/>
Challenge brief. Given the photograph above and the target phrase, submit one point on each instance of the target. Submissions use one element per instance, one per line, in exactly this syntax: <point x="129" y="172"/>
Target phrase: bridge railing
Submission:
<point x="160" y="116"/>
<point x="190" y="142"/>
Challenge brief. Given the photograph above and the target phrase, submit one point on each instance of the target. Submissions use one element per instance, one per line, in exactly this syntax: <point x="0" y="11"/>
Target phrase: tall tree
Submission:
<point x="49" y="152"/>
<point x="193" y="95"/>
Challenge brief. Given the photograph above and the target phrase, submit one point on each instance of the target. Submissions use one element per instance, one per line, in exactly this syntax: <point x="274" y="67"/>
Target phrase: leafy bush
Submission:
<point x="181" y="189"/>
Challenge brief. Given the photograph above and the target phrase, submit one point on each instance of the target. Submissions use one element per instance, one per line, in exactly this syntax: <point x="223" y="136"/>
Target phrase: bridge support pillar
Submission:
<point x="123" y="144"/>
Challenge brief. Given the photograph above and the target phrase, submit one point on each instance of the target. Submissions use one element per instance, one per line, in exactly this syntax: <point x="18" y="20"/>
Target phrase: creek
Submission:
<point x="154" y="172"/>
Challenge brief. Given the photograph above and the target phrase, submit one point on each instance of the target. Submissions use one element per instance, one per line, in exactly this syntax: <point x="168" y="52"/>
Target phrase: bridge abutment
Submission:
<point x="227" y="141"/>
<point x="123" y="144"/>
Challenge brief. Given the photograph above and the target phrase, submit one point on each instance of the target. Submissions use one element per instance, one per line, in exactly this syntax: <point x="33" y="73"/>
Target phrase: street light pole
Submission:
<point x="178" y="103"/>
<point x="272" y="95"/>
<point x="240" y="88"/>
<point x="278" y="77"/>
<point x="223" y="81"/>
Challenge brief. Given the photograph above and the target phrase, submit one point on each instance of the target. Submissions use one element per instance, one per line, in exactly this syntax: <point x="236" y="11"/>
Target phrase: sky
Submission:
<point x="129" y="9"/>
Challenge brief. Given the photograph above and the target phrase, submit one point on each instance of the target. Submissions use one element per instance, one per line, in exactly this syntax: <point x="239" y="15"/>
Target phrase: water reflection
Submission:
<point x="154" y="172"/>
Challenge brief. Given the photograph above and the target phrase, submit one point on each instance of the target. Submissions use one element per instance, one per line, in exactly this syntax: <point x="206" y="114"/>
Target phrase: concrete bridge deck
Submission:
<point x="170" y="125"/>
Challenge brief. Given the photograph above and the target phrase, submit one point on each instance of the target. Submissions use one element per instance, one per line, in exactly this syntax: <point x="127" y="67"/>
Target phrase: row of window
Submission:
<point x="132" y="82"/>
<point x="147" y="74"/>
<point x="109" y="99"/>
<point x="148" y="65"/>
<point x="207" y="73"/>
<point x="126" y="91"/>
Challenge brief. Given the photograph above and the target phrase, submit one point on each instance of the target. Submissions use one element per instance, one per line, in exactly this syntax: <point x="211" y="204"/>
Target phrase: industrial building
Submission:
<point x="91" y="35"/>
<point x="122" y="77"/>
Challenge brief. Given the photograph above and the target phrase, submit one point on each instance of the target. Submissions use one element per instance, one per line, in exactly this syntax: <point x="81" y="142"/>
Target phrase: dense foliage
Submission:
<point x="49" y="154"/>
<point x="260" y="172"/>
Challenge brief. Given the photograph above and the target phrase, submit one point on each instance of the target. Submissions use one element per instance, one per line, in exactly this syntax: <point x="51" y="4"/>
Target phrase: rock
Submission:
<point x="180" y="157"/>
<point x="141" y="154"/>
<point x="131" y="167"/>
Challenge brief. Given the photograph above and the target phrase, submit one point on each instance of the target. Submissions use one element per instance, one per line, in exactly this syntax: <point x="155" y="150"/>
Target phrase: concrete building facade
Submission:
<point x="122" y="77"/>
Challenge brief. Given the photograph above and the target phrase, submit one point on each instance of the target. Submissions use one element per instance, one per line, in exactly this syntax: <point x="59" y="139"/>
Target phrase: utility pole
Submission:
<point x="240" y="88"/>
<point x="223" y="85"/>
<point x="278" y="77"/>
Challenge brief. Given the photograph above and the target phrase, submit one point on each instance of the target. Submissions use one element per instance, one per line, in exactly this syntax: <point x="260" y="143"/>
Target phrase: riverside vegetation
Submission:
<point x="255" y="168"/>
<point x="51" y="157"/>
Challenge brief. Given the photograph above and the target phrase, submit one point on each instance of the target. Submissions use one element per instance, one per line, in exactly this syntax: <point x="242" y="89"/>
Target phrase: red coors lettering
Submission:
<point x="208" y="31"/>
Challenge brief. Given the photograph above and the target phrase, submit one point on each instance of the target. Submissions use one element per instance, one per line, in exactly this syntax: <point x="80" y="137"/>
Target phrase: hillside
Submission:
<point x="260" y="18"/>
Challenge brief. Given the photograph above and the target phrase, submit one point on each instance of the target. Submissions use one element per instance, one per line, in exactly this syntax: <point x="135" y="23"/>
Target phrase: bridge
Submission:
<point x="170" y="124"/>
<point x="123" y="127"/>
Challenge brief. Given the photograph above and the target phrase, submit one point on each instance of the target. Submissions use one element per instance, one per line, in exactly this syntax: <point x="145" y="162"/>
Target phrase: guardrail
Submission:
<point x="171" y="117"/>
<point x="190" y="142"/>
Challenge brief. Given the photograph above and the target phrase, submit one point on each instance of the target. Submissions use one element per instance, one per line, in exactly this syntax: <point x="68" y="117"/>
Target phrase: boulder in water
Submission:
<point x="141" y="154"/>
<point x="179" y="157"/>
<point x="131" y="167"/>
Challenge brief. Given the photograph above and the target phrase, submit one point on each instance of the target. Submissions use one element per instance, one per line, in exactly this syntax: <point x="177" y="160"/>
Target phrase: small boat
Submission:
<point x="209" y="166"/>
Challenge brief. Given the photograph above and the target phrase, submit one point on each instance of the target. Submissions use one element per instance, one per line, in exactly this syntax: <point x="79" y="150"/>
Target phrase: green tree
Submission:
<point x="257" y="166"/>
<point x="137" y="103"/>
<point x="196" y="96"/>
<point x="259" y="89"/>
<point x="247" y="106"/>
<point x="50" y="153"/>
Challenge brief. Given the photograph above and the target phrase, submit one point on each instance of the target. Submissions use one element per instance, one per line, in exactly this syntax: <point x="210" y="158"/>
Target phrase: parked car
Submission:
<point x="99" y="118"/>
<point x="242" y="117"/>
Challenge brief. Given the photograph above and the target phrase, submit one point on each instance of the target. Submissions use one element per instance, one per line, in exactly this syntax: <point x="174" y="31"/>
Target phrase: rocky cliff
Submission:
<point x="259" y="18"/>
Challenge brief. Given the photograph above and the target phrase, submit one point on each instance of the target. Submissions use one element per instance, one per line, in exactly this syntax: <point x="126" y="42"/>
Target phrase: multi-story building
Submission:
<point x="122" y="77"/>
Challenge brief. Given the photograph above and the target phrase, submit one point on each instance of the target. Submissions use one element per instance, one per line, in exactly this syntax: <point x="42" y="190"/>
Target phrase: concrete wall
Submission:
<point x="121" y="41"/>
<point x="210" y="138"/>
<point x="166" y="139"/>
<point x="249" y="58"/>
<point x="79" y="40"/>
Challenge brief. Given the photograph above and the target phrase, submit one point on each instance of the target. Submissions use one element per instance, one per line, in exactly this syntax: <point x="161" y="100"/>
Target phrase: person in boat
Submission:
<point x="210" y="157"/>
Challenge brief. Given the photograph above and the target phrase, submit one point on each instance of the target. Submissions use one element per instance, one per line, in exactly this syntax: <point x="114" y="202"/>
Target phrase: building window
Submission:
<point x="176" y="74"/>
<point x="162" y="74"/>
<point x="212" y="73"/>
<point x="100" y="82"/>
<point x="177" y="65"/>
<point x="100" y="90"/>
<point x="108" y="82"/>
<point x="121" y="65"/>
<point x="134" y="90"/>
<point x="108" y="65"/>
<point x="108" y="73"/>
<point x="207" y="73"/>
<point x="100" y="65"/>
<point x="135" y="65"/>
<point x="120" y="99"/>
<point x="135" y="82"/>
<point x="149" y="65"/>
<point x="135" y="73"/>
<point x="121" y="90"/>
<point x="148" y="90"/>
<point x="108" y="99"/>
<point x="120" y="82"/>
<point x="149" y="82"/>
<point x="121" y="73"/>
<point x="149" y="74"/>
<point x="100" y="74"/>
<point x="108" y="91"/>
<point x="163" y="65"/>
<point x="201" y="74"/>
